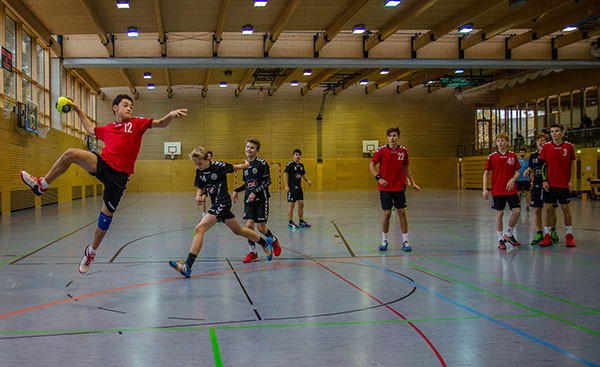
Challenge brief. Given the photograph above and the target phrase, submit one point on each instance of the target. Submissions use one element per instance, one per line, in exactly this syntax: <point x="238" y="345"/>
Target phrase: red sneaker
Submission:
<point x="251" y="257"/>
<point x="512" y="240"/>
<point x="34" y="183"/>
<point x="570" y="242"/>
<point x="547" y="241"/>
<point x="276" y="247"/>
<point x="502" y="245"/>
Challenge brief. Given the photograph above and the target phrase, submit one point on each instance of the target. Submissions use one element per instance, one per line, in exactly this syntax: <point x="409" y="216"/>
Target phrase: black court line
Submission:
<point x="343" y="239"/>
<point x="94" y="272"/>
<point x="68" y="284"/>
<point x="257" y="314"/>
<point x="108" y="309"/>
<point x="65" y="236"/>
<point x="185" y="318"/>
<point x="141" y="238"/>
<point x="241" y="284"/>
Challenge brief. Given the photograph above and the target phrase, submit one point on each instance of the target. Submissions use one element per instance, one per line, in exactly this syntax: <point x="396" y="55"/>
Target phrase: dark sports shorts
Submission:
<point x="115" y="183"/>
<point x="499" y="201"/>
<point x="523" y="186"/>
<point x="391" y="199"/>
<point x="222" y="212"/>
<point x="537" y="200"/>
<point x="257" y="210"/>
<point x="560" y="194"/>
<point x="295" y="194"/>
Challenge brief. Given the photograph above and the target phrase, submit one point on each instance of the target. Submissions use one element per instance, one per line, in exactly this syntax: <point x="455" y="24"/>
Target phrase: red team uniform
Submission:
<point x="503" y="167"/>
<point x="558" y="161"/>
<point x="391" y="168"/>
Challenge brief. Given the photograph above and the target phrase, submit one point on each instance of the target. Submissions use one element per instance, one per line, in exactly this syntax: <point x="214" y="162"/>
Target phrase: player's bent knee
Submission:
<point x="104" y="221"/>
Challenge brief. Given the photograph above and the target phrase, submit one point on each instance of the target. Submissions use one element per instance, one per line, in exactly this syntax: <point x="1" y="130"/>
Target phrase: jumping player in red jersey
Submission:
<point x="122" y="140"/>
<point x="560" y="157"/>
<point x="505" y="170"/>
<point x="391" y="181"/>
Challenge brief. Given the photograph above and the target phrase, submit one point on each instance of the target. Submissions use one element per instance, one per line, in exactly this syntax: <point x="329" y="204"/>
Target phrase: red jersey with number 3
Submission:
<point x="503" y="167"/>
<point x="558" y="160"/>
<point x="391" y="167"/>
<point x="122" y="141"/>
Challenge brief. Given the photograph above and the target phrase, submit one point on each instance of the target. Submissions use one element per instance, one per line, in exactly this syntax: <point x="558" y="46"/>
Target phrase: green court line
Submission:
<point x="477" y="289"/>
<point x="22" y="241"/>
<point x="214" y="338"/>
<point x="215" y="346"/>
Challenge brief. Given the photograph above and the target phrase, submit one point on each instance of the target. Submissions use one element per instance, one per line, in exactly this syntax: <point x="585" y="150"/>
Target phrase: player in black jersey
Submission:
<point x="293" y="175"/>
<point x="257" y="179"/>
<point x="211" y="177"/>
<point x="209" y="155"/>
<point x="536" y="173"/>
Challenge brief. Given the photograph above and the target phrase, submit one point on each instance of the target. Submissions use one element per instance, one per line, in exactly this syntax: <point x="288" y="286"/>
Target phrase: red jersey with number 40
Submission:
<point x="391" y="167"/>
<point x="503" y="167"/>
<point x="122" y="141"/>
<point x="558" y="160"/>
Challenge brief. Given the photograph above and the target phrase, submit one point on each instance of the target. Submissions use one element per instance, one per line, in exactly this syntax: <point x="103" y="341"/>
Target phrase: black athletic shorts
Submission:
<point x="537" y="200"/>
<point x="222" y="212"/>
<point x="391" y="199"/>
<point x="499" y="201"/>
<point x="257" y="210"/>
<point x="115" y="183"/>
<point x="295" y="194"/>
<point x="560" y="194"/>
<point x="523" y="186"/>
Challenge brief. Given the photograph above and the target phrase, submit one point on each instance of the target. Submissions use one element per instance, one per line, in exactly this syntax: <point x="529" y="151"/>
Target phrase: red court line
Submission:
<point x="381" y="303"/>
<point x="435" y="276"/>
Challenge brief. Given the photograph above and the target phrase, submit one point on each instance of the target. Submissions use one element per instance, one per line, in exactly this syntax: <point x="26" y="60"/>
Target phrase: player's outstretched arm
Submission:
<point x="87" y="124"/>
<point x="241" y="166"/>
<point x="166" y="120"/>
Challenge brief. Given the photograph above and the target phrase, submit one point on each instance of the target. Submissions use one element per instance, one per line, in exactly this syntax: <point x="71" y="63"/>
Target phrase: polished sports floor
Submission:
<point x="330" y="299"/>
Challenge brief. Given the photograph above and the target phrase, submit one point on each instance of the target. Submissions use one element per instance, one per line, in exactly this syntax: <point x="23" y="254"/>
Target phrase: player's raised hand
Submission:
<point x="181" y="112"/>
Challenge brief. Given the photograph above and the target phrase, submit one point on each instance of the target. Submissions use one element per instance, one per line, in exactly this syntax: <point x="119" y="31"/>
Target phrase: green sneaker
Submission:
<point x="554" y="237"/>
<point x="538" y="238"/>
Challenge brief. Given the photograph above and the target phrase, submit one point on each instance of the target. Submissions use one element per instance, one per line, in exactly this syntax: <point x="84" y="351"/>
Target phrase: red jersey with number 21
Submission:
<point x="391" y="167"/>
<point x="503" y="167"/>
<point x="558" y="160"/>
<point x="122" y="141"/>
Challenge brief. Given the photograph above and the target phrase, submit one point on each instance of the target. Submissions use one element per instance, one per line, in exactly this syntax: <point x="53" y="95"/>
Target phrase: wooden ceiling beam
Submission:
<point x="576" y="36"/>
<point x="162" y="38"/>
<point x="390" y="78"/>
<point x="317" y="79"/>
<point x="99" y="25"/>
<point x="27" y="17"/>
<point x="420" y="78"/>
<point x="363" y="74"/>
<point x="580" y="11"/>
<point x="169" y="87"/>
<point x="404" y="18"/>
<point x="335" y="27"/>
<point x="282" y="20"/>
<point x="220" y="25"/>
<point x="282" y="78"/>
<point x="245" y="79"/>
<point x="524" y="14"/>
<point x="474" y="9"/>
<point x="129" y="83"/>
<point x="205" y="82"/>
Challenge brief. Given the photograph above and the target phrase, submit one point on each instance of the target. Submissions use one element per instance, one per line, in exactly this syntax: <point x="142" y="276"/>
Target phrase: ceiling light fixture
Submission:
<point x="223" y="85"/>
<point x="459" y="71"/>
<point x="247" y="29"/>
<point x="466" y="28"/>
<point x="307" y="72"/>
<point x="294" y="83"/>
<point x="359" y="29"/>
<point x="392" y="3"/>
<point x="122" y="4"/>
<point x="260" y="3"/>
<point x="384" y="71"/>
<point x="364" y="82"/>
<point x="147" y="76"/>
<point x="132" y="32"/>
<point x="150" y="86"/>
<point x="570" y="28"/>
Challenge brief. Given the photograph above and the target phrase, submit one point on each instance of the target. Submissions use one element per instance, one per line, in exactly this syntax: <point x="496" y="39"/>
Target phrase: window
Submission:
<point x="10" y="86"/>
<point x="27" y="54"/>
<point x="41" y="65"/>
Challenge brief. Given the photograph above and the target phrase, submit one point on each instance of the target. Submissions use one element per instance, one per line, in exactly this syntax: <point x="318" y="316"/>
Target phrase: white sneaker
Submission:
<point x="85" y="263"/>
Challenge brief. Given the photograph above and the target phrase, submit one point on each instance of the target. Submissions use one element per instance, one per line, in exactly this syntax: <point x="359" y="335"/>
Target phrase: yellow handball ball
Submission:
<point x="62" y="104"/>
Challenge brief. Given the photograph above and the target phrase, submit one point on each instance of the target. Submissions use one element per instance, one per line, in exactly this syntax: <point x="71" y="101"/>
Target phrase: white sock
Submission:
<point x="252" y="248"/>
<point x="383" y="236"/>
<point x="509" y="231"/>
<point x="404" y="237"/>
<point x="569" y="229"/>
<point x="499" y="233"/>
<point x="44" y="183"/>
<point x="547" y="230"/>
<point x="92" y="251"/>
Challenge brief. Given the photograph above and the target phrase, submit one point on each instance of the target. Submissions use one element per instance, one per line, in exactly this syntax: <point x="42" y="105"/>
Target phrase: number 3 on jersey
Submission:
<point x="127" y="127"/>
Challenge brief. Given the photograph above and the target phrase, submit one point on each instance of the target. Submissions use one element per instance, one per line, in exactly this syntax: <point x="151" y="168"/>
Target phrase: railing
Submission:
<point x="581" y="138"/>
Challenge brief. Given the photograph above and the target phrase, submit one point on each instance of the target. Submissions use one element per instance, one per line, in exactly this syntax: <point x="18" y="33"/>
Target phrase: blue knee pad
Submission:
<point x="104" y="221"/>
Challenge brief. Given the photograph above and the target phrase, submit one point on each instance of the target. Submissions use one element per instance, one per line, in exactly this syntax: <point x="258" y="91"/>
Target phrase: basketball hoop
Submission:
<point x="172" y="151"/>
<point x="44" y="131"/>
<point x="261" y="94"/>
<point x="371" y="152"/>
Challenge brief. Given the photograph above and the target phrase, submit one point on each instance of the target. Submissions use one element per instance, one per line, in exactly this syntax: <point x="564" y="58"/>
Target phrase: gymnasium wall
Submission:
<point x="431" y="124"/>
<point x="21" y="149"/>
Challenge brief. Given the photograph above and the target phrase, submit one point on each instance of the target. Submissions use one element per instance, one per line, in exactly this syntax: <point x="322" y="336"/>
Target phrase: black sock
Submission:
<point x="553" y="229"/>
<point x="540" y="232"/>
<point x="291" y="222"/>
<point x="301" y="221"/>
<point x="190" y="260"/>
<point x="262" y="242"/>
<point x="269" y="234"/>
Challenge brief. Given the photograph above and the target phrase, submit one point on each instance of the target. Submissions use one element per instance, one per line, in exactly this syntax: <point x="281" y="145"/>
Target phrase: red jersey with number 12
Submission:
<point x="122" y="141"/>
<point x="558" y="160"/>
<point x="503" y="167"/>
<point x="391" y="167"/>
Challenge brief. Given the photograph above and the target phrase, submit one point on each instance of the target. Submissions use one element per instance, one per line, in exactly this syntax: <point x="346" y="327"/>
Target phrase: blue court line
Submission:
<point x="482" y="315"/>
